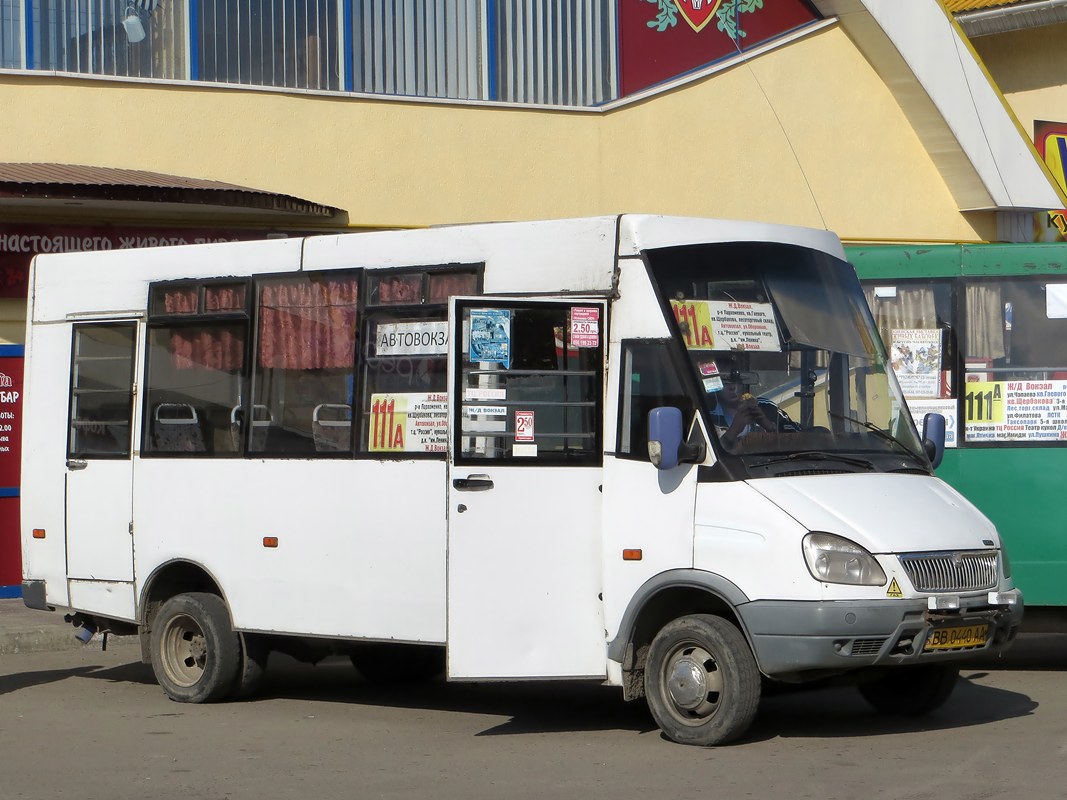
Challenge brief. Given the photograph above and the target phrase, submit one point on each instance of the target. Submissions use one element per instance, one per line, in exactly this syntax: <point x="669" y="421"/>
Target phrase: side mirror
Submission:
<point x="666" y="447"/>
<point x="934" y="438"/>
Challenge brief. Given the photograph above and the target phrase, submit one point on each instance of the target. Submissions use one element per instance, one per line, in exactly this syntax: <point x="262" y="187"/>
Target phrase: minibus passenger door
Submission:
<point x="524" y="501"/>
<point x="99" y="477"/>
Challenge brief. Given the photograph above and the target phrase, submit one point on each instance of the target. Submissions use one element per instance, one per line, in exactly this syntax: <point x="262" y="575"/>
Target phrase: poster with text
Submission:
<point x="722" y="325"/>
<point x="409" y="422"/>
<point x="915" y="354"/>
<point x="1017" y="411"/>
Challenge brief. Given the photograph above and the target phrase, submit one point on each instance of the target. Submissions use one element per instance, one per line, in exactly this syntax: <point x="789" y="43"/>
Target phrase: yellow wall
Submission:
<point x="806" y="134"/>
<point x="1030" y="67"/>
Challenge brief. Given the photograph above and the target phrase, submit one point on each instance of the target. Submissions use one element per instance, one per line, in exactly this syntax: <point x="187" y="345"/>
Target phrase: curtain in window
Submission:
<point x="208" y="347"/>
<point x="308" y="324"/>
<point x="912" y="307"/>
<point x="180" y="301"/>
<point x="443" y="287"/>
<point x="985" y="321"/>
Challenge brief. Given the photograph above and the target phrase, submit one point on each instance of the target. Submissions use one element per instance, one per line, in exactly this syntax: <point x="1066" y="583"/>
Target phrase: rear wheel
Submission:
<point x="701" y="681"/>
<point x="195" y="653"/>
<point x="911" y="691"/>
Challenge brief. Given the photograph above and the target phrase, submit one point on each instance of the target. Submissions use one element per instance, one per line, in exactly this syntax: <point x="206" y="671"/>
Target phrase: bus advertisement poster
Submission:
<point x="1028" y="411"/>
<point x="915" y="354"/>
<point x="414" y="422"/>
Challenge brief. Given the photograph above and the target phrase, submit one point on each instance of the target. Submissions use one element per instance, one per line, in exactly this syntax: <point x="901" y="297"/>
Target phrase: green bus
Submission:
<point x="979" y="333"/>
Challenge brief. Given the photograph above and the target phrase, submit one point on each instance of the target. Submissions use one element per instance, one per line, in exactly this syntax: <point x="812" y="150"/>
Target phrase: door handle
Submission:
<point x="77" y="463"/>
<point x="473" y="483"/>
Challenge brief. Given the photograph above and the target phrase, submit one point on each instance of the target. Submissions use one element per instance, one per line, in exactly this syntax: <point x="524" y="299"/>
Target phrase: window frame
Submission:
<point x="120" y="455"/>
<point x="595" y="457"/>
<point x="199" y="318"/>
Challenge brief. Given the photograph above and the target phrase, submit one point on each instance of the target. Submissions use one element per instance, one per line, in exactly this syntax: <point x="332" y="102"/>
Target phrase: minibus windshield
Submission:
<point x="784" y="353"/>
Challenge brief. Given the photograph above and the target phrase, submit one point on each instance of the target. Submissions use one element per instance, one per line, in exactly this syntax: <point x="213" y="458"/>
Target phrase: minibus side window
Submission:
<point x="1015" y="380"/>
<point x="101" y="393"/>
<point x="305" y="357"/>
<point x="649" y="379"/>
<point x="917" y="323"/>
<point x="403" y="403"/>
<point x="530" y="384"/>
<point x="196" y="356"/>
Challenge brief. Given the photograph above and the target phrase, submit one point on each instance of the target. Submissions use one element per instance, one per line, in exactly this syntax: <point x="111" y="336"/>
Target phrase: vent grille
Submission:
<point x="797" y="472"/>
<point x="867" y="647"/>
<point x="964" y="571"/>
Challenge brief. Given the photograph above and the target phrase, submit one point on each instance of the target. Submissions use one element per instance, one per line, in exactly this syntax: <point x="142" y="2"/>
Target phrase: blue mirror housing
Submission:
<point x="664" y="436"/>
<point x="934" y="438"/>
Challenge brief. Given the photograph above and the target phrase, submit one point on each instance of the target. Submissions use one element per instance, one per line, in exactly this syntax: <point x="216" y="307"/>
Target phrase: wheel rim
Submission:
<point x="692" y="684"/>
<point x="183" y="649"/>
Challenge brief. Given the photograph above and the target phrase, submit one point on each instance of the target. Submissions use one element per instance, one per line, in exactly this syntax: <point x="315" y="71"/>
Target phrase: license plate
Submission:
<point x="955" y="638"/>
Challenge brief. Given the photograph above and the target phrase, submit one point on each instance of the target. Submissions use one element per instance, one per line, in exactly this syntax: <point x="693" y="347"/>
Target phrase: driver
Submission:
<point x="738" y="412"/>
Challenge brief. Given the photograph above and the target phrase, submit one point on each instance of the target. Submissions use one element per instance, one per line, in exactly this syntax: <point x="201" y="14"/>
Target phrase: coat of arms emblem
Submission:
<point x="698" y="13"/>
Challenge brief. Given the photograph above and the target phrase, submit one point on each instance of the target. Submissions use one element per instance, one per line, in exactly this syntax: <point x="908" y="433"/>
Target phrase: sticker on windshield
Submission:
<point x="727" y="325"/>
<point x="709" y="373"/>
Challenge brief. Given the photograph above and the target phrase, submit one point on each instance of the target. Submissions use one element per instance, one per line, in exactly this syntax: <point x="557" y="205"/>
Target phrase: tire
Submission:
<point x="195" y="653"/>
<point x="702" y="684"/>
<point x="253" y="668"/>
<point x="911" y="691"/>
<point x="393" y="663"/>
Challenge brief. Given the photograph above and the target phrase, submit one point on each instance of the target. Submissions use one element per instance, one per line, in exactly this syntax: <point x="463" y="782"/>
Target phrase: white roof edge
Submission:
<point x="640" y="232"/>
<point x="953" y="78"/>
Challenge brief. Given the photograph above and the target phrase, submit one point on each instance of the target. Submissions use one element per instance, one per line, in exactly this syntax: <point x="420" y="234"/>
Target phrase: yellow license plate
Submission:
<point x="955" y="638"/>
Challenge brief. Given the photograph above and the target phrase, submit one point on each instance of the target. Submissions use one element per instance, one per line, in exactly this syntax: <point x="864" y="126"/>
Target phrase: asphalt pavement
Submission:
<point x="27" y="630"/>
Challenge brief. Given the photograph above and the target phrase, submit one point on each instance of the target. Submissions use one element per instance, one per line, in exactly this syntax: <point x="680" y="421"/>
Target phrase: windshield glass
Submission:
<point x="783" y="351"/>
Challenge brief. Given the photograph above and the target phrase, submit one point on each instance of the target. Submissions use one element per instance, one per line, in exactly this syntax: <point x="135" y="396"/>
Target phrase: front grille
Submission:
<point x="962" y="571"/>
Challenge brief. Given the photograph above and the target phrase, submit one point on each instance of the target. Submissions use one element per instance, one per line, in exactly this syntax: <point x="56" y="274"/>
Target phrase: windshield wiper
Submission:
<point x="817" y="455"/>
<point x="878" y="432"/>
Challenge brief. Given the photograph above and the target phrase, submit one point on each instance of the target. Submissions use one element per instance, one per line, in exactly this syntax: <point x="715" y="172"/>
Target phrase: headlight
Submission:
<point x="1005" y="562"/>
<point x="834" y="559"/>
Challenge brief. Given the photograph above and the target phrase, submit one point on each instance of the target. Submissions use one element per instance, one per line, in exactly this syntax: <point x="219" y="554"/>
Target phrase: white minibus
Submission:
<point x="663" y="453"/>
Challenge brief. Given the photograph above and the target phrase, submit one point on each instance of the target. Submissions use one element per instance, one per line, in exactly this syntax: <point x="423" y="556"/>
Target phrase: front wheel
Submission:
<point x="196" y="654"/>
<point x="911" y="691"/>
<point x="701" y="681"/>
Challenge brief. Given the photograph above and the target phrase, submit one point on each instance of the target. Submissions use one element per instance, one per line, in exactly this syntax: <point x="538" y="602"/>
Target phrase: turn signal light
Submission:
<point x="270" y="541"/>
<point x="631" y="555"/>
<point x="38" y="533"/>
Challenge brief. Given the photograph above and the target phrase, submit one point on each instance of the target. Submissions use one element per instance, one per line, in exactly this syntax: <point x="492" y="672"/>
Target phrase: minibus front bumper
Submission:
<point x="790" y="638"/>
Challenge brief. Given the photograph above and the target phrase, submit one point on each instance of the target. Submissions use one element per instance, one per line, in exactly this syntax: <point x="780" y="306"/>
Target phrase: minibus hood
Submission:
<point x="882" y="512"/>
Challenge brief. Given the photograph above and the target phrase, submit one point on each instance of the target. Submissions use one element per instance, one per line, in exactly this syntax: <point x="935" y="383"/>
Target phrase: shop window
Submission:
<point x="1015" y="383"/>
<point x="101" y="394"/>
<point x="291" y="43"/>
<point x="530" y="387"/>
<point x="110" y="37"/>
